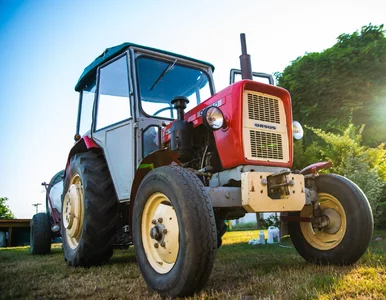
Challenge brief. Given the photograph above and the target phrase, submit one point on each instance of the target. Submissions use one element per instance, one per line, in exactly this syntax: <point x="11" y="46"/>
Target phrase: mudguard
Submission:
<point x="313" y="169"/>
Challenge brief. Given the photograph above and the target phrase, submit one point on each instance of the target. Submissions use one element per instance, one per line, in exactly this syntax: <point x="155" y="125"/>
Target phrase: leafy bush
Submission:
<point x="245" y="226"/>
<point x="272" y="220"/>
<point x="381" y="216"/>
<point x="363" y="165"/>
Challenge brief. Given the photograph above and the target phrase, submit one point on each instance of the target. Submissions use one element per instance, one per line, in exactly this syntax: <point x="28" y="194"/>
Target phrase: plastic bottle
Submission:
<point x="273" y="235"/>
<point x="261" y="237"/>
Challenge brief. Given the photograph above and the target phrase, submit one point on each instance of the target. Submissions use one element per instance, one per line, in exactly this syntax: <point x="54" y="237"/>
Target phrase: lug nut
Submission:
<point x="156" y="245"/>
<point x="160" y="220"/>
<point x="154" y="221"/>
<point x="163" y="244"/>
<point x="165" y="231"/>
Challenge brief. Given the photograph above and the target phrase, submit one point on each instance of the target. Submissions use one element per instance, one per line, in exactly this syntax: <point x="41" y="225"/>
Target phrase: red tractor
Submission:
<point x="161" y="160"/>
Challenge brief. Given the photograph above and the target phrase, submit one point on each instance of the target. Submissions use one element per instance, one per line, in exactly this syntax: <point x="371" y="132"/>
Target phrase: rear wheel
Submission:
<point x="89" y="211"/>
<point x="174" y="232"/>
<point x="348" y="233"/>
<point x="40" y="234"/>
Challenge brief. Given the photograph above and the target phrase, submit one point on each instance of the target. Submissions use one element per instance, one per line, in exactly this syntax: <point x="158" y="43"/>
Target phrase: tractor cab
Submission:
<point x="126" y="98"/>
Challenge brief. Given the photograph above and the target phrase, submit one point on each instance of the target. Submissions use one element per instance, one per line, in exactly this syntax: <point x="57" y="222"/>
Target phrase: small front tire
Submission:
<point x="350" y="228"/>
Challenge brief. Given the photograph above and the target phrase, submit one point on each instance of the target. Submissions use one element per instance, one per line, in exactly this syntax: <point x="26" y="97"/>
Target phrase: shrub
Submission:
<point x="272" y="220"/>
<point x="381" y="216"/>
<point x="363" y="165"/>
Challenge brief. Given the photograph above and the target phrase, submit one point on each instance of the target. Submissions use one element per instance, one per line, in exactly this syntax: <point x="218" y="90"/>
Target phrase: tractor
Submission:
<point x="161" y="159"/>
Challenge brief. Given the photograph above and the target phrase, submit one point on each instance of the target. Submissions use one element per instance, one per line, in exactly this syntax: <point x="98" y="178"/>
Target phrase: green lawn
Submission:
<point x="242" y="271"/>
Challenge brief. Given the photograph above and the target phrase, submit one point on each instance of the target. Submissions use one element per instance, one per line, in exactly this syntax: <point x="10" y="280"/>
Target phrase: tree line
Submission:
<point x="339" y="95"/>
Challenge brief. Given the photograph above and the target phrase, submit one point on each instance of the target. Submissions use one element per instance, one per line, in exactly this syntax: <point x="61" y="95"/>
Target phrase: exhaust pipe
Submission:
<point x="245" y="60"/>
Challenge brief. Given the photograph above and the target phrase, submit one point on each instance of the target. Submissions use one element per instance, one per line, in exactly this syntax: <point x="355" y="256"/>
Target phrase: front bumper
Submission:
<point x="268" y="192"/>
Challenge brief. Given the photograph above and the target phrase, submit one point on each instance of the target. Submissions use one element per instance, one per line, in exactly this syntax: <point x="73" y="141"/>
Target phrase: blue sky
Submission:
<point x="45" y="45"/>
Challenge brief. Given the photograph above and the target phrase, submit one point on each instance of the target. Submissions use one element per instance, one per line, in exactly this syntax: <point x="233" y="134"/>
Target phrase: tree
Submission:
<point x="5" y="212"/>
<point x="345" y="83"/>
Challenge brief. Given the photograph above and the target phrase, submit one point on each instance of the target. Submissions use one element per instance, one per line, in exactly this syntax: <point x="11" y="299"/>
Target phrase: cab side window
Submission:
<point x="113" y="94"/>
<point x="88" y="95"/>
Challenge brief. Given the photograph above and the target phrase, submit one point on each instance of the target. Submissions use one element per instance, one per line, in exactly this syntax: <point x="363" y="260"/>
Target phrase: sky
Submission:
<point x="46" y="44"/>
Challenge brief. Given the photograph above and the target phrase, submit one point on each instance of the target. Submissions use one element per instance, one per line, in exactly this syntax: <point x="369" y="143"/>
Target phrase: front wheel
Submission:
<point x="174" y="232"/>
<point x="348" y="233"/>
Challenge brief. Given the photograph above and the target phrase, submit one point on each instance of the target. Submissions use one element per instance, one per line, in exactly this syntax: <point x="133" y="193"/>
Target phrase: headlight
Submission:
<point x="297" y="130"/>
<point x="213" y="118"/>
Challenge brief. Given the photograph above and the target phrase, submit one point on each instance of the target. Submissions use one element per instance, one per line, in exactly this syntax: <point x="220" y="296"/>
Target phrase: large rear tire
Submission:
<point x="40" y="234"/>
<point x="174" y="232"/>
<point x="89" y="211"/>
<point x="350" y="228"/>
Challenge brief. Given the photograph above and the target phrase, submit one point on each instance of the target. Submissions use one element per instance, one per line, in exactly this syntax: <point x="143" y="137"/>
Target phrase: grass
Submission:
<point x="242" y="271"/>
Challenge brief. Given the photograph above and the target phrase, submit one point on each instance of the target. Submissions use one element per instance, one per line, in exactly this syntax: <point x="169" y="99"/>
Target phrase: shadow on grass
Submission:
<point x="124" y="256"/>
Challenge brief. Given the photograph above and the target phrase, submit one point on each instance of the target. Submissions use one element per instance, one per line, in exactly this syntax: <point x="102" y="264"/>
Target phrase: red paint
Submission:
<point x="229" y="140"/>
<point x="82" y="145"/>
<point x="89" y="142"/>
<point x="313" y="169"/>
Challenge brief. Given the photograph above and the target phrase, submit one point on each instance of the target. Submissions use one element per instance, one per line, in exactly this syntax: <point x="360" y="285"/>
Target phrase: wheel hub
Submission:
<point x="328" y="229"/>
<point x="334" y="220"/>
<point x="160" y="233"/>
<point x="156" y="232"/>
<point x="73" y="211"/>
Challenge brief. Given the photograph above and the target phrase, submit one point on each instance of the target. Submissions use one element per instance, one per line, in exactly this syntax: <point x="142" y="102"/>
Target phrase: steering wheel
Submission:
<point x="163" y="109"/>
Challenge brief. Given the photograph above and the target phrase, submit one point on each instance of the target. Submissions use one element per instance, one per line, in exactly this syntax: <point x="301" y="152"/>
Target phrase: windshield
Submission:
<point x="161" y="81"/>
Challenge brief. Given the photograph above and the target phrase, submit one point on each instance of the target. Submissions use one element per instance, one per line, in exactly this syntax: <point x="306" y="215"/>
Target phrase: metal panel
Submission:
<point x="225" y="196"/>
<point x="254" y="193"/>
<point x="224" y="177"/>
<point x="118" y="144"/>
<point x="119" y="153"/>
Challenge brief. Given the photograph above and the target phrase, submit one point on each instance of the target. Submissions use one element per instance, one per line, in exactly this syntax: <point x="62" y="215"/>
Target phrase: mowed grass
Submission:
<point x="241" y="271"/>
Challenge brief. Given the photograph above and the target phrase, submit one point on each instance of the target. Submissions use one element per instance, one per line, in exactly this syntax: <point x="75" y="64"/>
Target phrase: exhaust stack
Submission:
<point x="245" y="60"/>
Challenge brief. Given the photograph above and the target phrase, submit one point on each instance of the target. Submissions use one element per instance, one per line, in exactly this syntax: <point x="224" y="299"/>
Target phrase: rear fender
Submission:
<point x="154" y="160"/>
<point x="83" y="145"/>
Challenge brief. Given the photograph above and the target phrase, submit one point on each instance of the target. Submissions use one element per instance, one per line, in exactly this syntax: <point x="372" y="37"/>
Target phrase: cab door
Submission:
<point x="113" y="124"/>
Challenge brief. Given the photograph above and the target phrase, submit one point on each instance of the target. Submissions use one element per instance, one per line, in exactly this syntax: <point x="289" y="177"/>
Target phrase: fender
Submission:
<point x="154" y="160"/>
<point x="84" y="144"/>
<point x="313" y="169"/>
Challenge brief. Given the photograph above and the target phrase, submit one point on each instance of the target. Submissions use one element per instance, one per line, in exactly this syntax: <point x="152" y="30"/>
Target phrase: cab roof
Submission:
<point x="109" y="53"/>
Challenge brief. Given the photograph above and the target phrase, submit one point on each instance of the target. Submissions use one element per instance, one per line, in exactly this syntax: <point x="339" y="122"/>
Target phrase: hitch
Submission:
<point x="278" y="185"/>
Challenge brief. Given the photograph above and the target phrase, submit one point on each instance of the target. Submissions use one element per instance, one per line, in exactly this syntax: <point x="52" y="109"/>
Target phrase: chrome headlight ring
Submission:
<point x="213" y="118"/>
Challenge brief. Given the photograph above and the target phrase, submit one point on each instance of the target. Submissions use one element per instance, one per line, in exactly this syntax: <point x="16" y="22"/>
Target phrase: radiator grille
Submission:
<point x="263" y="108"/>
<point x="266" y="145"/>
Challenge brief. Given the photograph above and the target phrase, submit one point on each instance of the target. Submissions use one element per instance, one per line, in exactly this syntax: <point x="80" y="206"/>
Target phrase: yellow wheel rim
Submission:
<point x="72" y="211"/>
<point x="160" y="233"/>
<point x="330" y="236"/>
